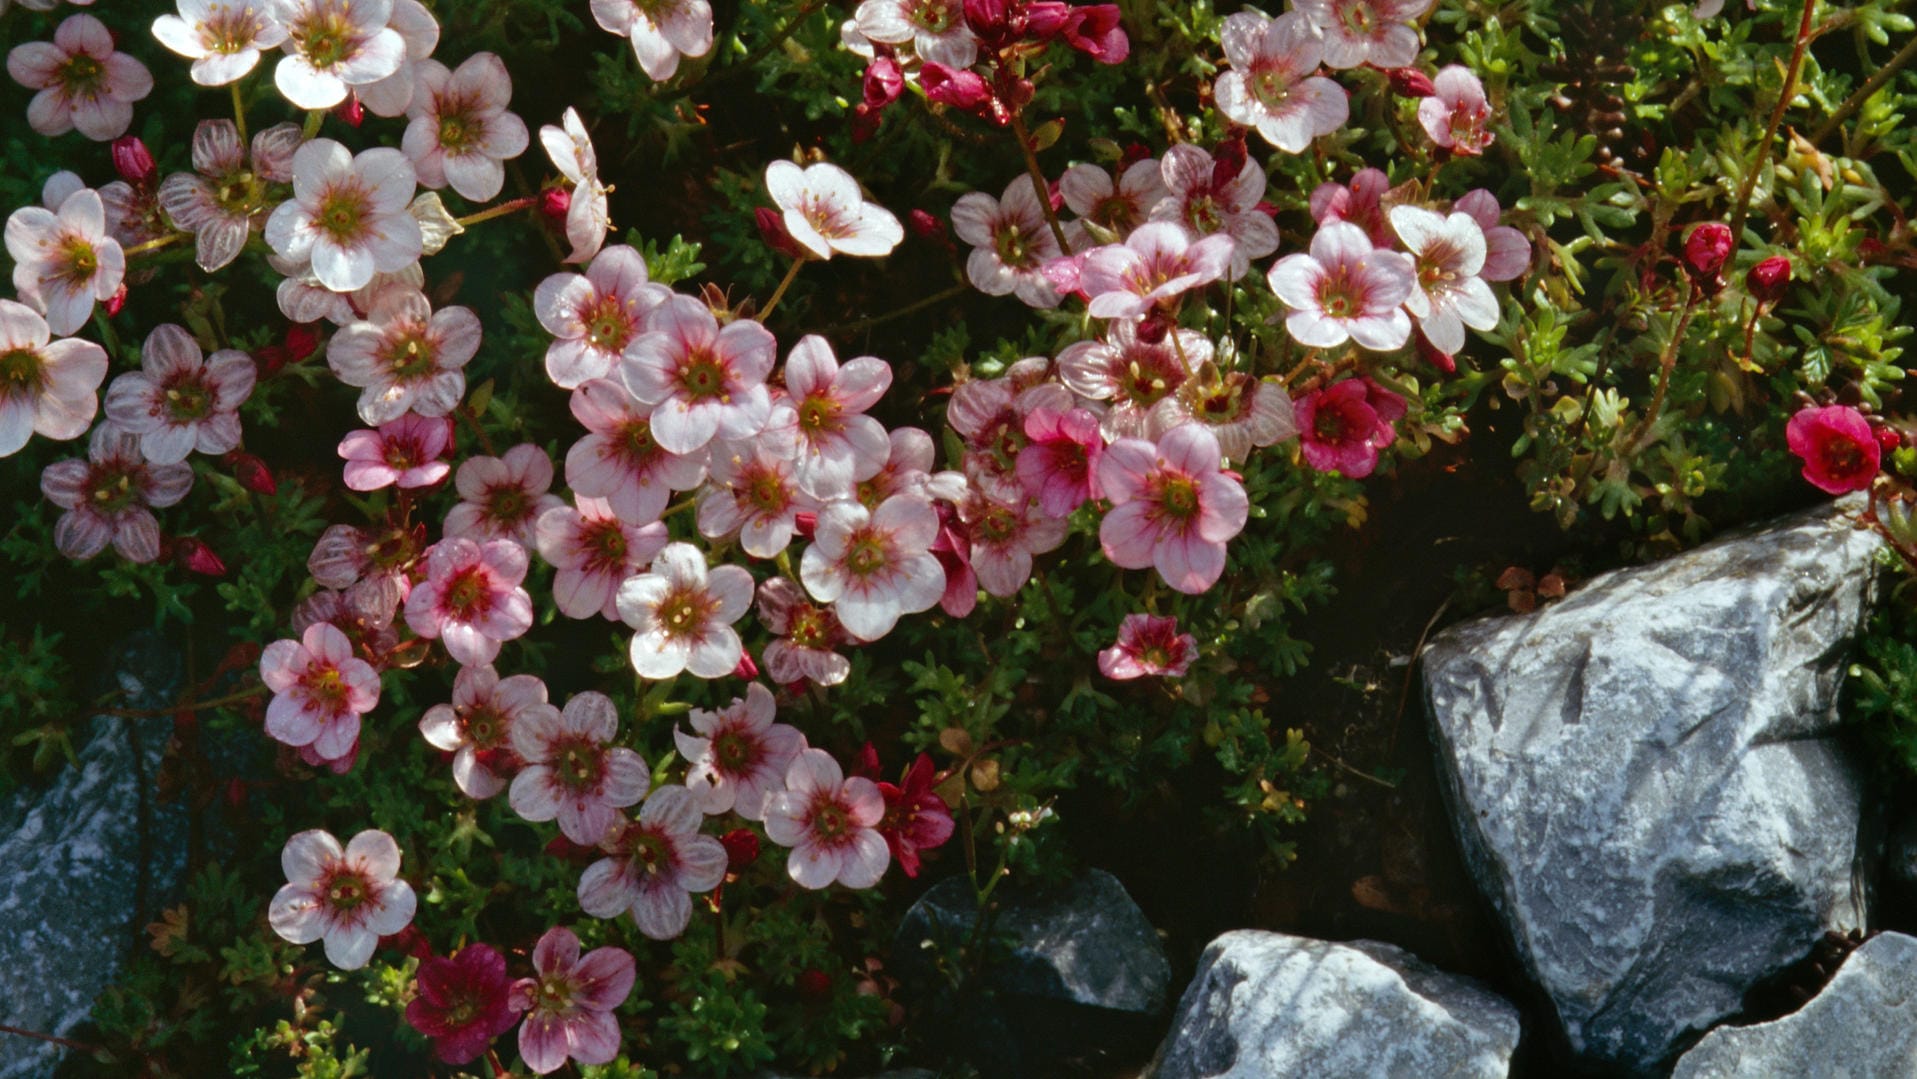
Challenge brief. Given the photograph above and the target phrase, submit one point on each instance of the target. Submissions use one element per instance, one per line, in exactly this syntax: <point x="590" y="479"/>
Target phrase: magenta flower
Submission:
<point x="63" y="261"/>
<point x="916" y="818"/>
<point x="503" y="497"/>
<point x="682" y="614"/>
<point x="178" y="401"/>
<point x="587" y="218"/>
<point x="990" y="415"/>
<point x="657" y="862"/>
<point x="935" y="29"/>
<point x="1273" y="83"/>
<point x="702" y="382"/>
<point x="1839" y="451"/>
<point x="82" y="81"/>
<point x="1507" y="254"/>
<point x="825" y="213"/>
<point x="1448" y="253"/>
<point x="569" y="1002"/>
<point x="1154" y="266"/>
<point x="463" y="1002"/>
<point x="1173" y="507"/>
<point x="572" y="773"/>
<point x="406" y="357"/>
<point x="1001" y="539"/>
<point x="458" y="132"/>
<point x="619" y="460"/>
<point x="806" y="636"/>
<point x="593" y="316"/>
<point x="1361" y="203"/>
<point x="404" y="453"/>
<point x="223" y="38"/>
<point x="738" y="755"/>
<point x="1125" y="377"/>
<point x="477" y="727"/>
<point x="106" y="497"/>
<point x="754" y="491"/>
<point x="223" y="201"/>
<point x="1148" y="646"/>
<point x="1115" y="206"/>
<point x="1359" y="32"/>
<point x="1011" y="243"/>
<point x="594" y="550"/>
<point x="874" y="565"/>
<point x="320" y="690"/>
<point x="471" y="599"/>
<point x="1342" y="427"/>
<point x="47" y="387"/>
<point x="332" y="45"/>
<point x="1059" y="466"/>
<point x="348" y="213"/>
<point x="840" y="446"/>
<point x="1456" y="115"/>
<point x="348" y="898"/>
<point x="661" y="30"/>
<point x="1345" y="290"/>
<point x="830" y="822"/>
<point x="1206" y="202"/>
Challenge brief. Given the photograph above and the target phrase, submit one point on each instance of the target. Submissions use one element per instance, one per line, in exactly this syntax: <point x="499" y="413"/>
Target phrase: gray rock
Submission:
<point x="71" y="900"/>
<point x="1862" y="1026"/>
<point x="1267" y="1004"/>
<point x="1087" y="944"/>
<point x="1644" y="780"/>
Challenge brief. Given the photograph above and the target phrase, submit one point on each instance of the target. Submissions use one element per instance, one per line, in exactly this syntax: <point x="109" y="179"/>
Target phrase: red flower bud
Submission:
<point x="116" y="301"/>
<point x="1095" y="30"/>
<point x="198" y="557"/>
<point x="1134" y="153"/>
<point x="884" y="81"/>
<point x="742" y="848"/>
<point x="132" y="161"/>
<point x="554" y="202"/>
<point x="865" y="121"/>
<point x="746" y="669"/>
<point x="1410" y="82"/>
<point x="1889" y="439"/>
<point x="1767" y="280"/>
<point x="1434" y="355"/>
<point x="1707" y="249"/>
<point x="773" y="231"/>
<point x="351" y="110"/>
<point x="959" y="89"/>
<point x="252" y="473"/>
<point x="1228" y="159"/>
<point x="927" y="226"/>
<point x="235" y="793"/>
<point x="804" y="523"/>
<point x="867" y="762"/>
<point x="814" y="986"/>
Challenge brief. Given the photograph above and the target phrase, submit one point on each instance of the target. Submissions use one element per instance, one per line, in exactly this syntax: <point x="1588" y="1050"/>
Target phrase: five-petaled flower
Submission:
<point x="223" y="201"/>
<point x="1345" y="290"/>
<point x="737" y="755"/>
<point x="573" y="772"/>
<point x="830" y="822"/>
<point x="181" y="400"/>
<point x="661" y="30"/>
<point x="464" y="1002"/>
<point x="47" y="387"/>
<point x="593" y="316"/>
<point x="83" y="82"/>
<point x="569" y="1001"/>
<point x="348" y="214"/>
<point x="1273" y="85"/>
<point x="682" y="614"/>
<point x="403" y="453"/>
<point x="347" y="898"/>
<point x="107" y="497"/>
<point x="459" y="133"/>
<point x="332" y="45"/>
<point x="471" y="599"/>
<point x="1840" y="452"/>
<point x="320" y="690"/>
<point x="503" y="497"/>
<point x="405" y="357"/>
<point x="1148" y="646"/>
<point x="656" y="863"/>
<point x="874" y="565"/>
<point x="825" y="213"/>
<point x="223" y="38"/>
<point x="702" y="381"/>
<point x="65" y="260"/>
<point x="916" y="818"/>
<point x="1173" y="506"/>
<point x="477" y="726"/>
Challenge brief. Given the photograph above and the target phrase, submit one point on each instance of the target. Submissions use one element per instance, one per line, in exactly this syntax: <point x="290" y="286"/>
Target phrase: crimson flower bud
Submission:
<point x="351" y="110"/>
<point x="1152" y="328"/>
<point x="1434" y="355"/>
<point x="867" y="762"/>
<point x="805" y="524"/>
<point x="554" y="202"/>
<point x="746" y="669"/>
<point x="1134" y="153"/>
<point x="235" y="793"/>
<point x="865" y="121"/>
<point x="926" y="226"/>
<point x="1707" y="249"/>
<point x="1767" y="280"/>
<point x="884" y="81"/>
<point x="132" y="161"/>
<point x="198" y="557"/>
<point x="1095" y="30"/>
<point x="960" y="89"/>
<point x="773" y="231"/>
<point x="116" y="301"/>
<point x="1889" y="438"/>
<point x="1410" y="82"/>
<point x="814" y="986"/>
<point x="252" y="473"/>
<point x="742" y="848"/>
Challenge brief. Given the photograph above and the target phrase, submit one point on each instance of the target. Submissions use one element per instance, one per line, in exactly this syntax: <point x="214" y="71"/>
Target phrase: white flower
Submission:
<point x="825" y="213"/>
<point x="63" y="262"/>
<point x="1273" y="83"/>
<point x="334" y="44"/>
<point x="1011" y="243"/>
<point x="460" y="131"/>
<point x="1450" y="293"/>
<point x="683" y="613"/>
<point x="661" y="30"/>
<point x="348" y="214"/>
<point x="223" y="38"/>
<point x="47" y="387"/>
<point x="393" y="95"/>
<point x="348" y="898"/>
<point x="587" y="218"/>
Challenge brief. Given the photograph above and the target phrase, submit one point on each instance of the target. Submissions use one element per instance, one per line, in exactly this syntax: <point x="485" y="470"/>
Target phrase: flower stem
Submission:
<point x="1856" y="100"/>
<point x="1040" y="189"/>
<point x="314" y="117"/>
<point x="239" y="110"/>
<point x="184" y="706"/>
<point x="508" y="207"/>
<point x="154" y="245"/>
<point x="1667" y="365"/>
<point x="37" y="1036"/>
<point x="779" y="293"/>
<point x="1785" y="93"/>
<point x="472" y="420"/>
<point x="911" y="308"/>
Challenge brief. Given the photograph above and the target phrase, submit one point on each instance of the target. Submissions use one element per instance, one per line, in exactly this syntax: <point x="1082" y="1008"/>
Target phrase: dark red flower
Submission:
<point x="916" y="818"/>
<point x="884" y="81"/>
<point x="351" y="110"/>
<point x="464" y="1002"/>
<point x="742" y="848"/>
<point x="1839" y="450"/>
<point x="1095" y="30"/>
<point x="196" y="556"/>
<point x="1767" y="280"/>
<point x="960" y="89"/>
<point x="1706" y="250"/>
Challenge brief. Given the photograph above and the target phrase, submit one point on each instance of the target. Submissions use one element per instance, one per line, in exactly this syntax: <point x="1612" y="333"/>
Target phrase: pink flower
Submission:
<point x="1114" y="206"/>
<point x="1273" y="85"/>
<point x="587" y="217"/>
<point x="403" y="453"/>
<point x="347" y="898"/>
<point x="82" y="81"/>
<point x="1455" y="116"/>
<point x="1342" y="427"/>
<point x="657" y="862"/>
<point x="1152" y="268"/>
<point x="1059" y="467"/>
<point x="503" y="497"/>
<point x="990" y="415"/>
<point x="47" y="387"/>
<point x="1206" y="203"/>
<point x="839" y="446"/>
<point x="754" y="491"/>
<point x="595" y="550"/>
<point x="701" y="381"/>
<point x="348" y="213"/>
<point x="1239" y="410"/>
<point x="106" y="497"/>
<point x="1011" y="242"/>
<point x="406" y="357"/>
<point x="1148" y="646"/>
<point x="619" y="460"/>
<point x="1362" y="204"/>
<point x="830" y="822"/>
<point x="334" y="44"/>
<point x="907" y="470"/>
<point x="223" y="38"/>
<point x="825" y="213"/>
<point x="464" y="1002"/>
<point x="806" y="635"/>
<point x="661" y="30"/>
<point x="738" y="754"/>
<point x="471" y="599"/>
<point x="1448" y="253"/>
<point x="419" y="36"/>
<point x="916" y="818"/>
<point x="1345" y="290"/>
<point x="320" y="690"/>
<point x="595" y="315"/>
<point x="935" y="29"/>
<point x="1130" y="374"/>
<point x="1003" y="537"/>
<point x="459" y="131"/>
<point x="1359" y="32"/>
<point x="224" y="200"/>
<point x="569" y="1002"/>
<point x="1172" y="507"/>
<point x="1840" y="454"/>
<point x="572" y="773"/>
<point x="874" y="565"/>
<point x="64" y="261"/>
<point x="682" y="615"/>
<point x="1507" y="253"/>
<point x="179" y="402"/>
<point x="477" y="727"/>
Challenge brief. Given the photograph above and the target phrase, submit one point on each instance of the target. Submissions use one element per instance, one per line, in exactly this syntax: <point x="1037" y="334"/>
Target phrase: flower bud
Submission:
<point x="252" y="473"/>
<point x="746" y="669"/>
<point x="351" y="110"/>
<point x="197" y="557"/>
<point x="1767" y="280"/>
<point x="116" y="301"/>
<point x="1707" y="249"/>
<point x="1410" y="82"/>
<point x="959" y="89"/>
<point x="773" y="231"/>
<point x="742" y="848"/>
<point x="235" y="794"/>
<point x="554" y="202"/>
<point x="1228" y="159"/>
<point x="928" y="226"/>
<point x="805" y="524"/>
<point x="132" y="161"/>
<point x="884" y="81"/>
<point x="814" y="986"/>
<point x="1889" y="439"/>
<point x="1434" y="355"/>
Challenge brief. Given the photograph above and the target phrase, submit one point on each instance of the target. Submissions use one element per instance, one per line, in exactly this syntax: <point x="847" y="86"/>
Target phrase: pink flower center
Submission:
<point x="461" y="127"/>
<point x="652" y="852"/>
<point x="1115" y="212"/>
<point x="228" y="30"/>
<point x="1339" y="296"/>
<point x="703" y="376"/>
<point x="468" y="595"/>
<point x="999" y="525"/>
<point x="686" y="610"/>
<point x="347" y="889"/>
<point x="931" y="16"/>
<point x="605" y="545"/>
<point x="735" y="752"/>
<point x="325" y="690"/>
<point x="1271" y="85"/>
<point x="609" y="324"/>
<point x="827" y="218"/>
<point x="636" y="444"/>
<point x="343" y="209"/>
<point x="1329" y="425"/>
<point x="831" y="822"/>
<point x="1357" y="18"/>
<point x="1203" y="214"/>
<point x="765" y="490"/>
<point x="22" y="371"/>
<point x="579" y="763"/>
<point x="1148" y="378"/>
<point x="554" y="996"/>
<point x="485" y="726"/>
<point x="1842" y="458"/>
<point x="77" y="261"/>
<point x="1154" y="657"/>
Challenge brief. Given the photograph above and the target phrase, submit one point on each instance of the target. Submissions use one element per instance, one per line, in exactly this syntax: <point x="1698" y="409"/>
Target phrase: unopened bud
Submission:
<point x="197" y="557"/>
<point x="252" y="473"/>
<point x="554" y="202"/>
<point x="1707" y="248"/>
<point x="1767" y="280"/>
<point x="884" y="81"/>
<point x="805" y="524"/>
<point x="1228" y="160"/>
<point x="814" y="986"/>
<point x="927" y="226"/>
<point x="132" y="161"/>
<point x="1434" y="355"/>
<point x="350" y="110"/>
<point x="116" y="301"/>
<point x="746" y="668"/>
<point x="742" y="848"/>
<point x="773" y="231"/>
<point x="1889" y="438"/>
<point x="1410" y="82"/>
